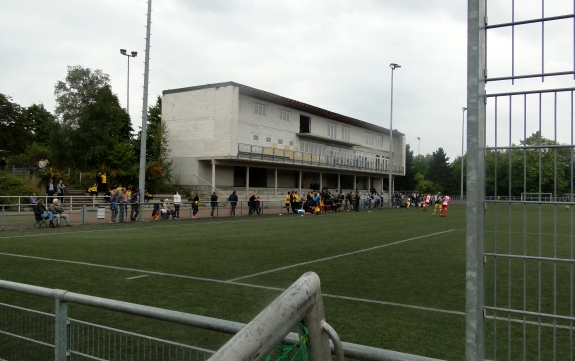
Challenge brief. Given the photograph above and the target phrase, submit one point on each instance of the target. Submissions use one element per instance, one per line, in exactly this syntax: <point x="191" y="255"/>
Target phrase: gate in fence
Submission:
<point x="520" y="225"/>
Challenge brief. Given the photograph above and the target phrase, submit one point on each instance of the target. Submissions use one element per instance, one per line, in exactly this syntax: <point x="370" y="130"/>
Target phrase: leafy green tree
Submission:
<point x="421" y="164"/>
<point x="439" y="172"/>
<point x="79" y="89"/>
<point x="408" y="182"/>
<point x="424" y="185"/>
<point x="39" y="123"/>
<point x="101" y="125"/>
<point x="12" y="130"/>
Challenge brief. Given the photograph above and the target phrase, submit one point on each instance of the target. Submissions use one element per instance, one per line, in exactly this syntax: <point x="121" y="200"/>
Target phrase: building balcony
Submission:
<point x="283" y="156"/>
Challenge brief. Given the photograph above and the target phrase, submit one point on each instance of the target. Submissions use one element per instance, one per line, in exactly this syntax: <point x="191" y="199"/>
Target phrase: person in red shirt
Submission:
<point x="444" y="205"/>
<point x="426" y="202"/>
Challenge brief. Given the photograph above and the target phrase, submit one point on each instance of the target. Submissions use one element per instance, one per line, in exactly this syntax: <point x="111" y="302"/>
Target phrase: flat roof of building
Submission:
<point x="287" y="102"/>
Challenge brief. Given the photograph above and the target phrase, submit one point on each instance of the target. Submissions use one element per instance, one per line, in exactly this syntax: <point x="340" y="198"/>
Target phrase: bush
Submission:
<point x="12" y="186"/>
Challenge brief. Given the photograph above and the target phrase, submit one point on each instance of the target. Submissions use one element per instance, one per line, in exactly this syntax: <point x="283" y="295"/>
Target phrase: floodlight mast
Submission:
<point x="462" y="143"/>
<point x="393" y="66"/>
<point x="133" y="55"/>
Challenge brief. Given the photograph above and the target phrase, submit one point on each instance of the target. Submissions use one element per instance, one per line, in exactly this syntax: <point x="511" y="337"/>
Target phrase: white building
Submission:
<point x="231" y="135"/>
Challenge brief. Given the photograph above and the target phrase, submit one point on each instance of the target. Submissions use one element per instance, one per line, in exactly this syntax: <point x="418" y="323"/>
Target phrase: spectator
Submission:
<point x="58" y="213"/>
<point x="214" y="203"/>
<point x="99" y="182"/>
<point x="93" y="190"/>
<point x="114" y="205"/>
<point x="177" y="204"/>
<point x="33" y="199"/>
<point x="60" y="190"/>
<point x="167" y="209"/>
<point x="50" y="189"/>
<point x="233" y="202"/>
<point x="2" y="164"/>
<point x="40" y="211"/>
<point x="104" y="186"/>
<point x="123" y="203"/>
<point x="195" y="205"/>
<point x="135" y="205"/>
<point x="251" y="204"/>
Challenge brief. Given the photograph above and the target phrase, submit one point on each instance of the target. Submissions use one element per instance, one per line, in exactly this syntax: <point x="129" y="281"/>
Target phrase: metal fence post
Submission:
<point x="3" y="217"/>
<point x="61" y="331"/>
<point x="19" y="201"/>
<point x="84" y="210"/>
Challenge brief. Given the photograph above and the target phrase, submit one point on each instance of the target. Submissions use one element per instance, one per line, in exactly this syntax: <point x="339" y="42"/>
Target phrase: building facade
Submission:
<point x="229" y="135"/>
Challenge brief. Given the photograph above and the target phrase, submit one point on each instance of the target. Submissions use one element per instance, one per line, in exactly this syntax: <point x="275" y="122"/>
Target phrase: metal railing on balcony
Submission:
<point x="346" y="161"/>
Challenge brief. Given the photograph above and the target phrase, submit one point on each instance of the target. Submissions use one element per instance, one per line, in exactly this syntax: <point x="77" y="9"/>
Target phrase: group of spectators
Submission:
<point x="54" y="212"/>
<point x="323" y="202"/>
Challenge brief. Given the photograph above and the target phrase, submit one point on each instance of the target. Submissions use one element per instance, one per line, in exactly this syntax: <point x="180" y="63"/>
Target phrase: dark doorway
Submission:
<point x="239" y="176"/>
<point x="304" y="124"/>
<point x="258" y="177"/>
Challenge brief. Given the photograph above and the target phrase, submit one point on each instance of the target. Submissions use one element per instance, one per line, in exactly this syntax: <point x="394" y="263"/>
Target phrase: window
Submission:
<point x="379" y="140"/>
<point x="268" y="139"/>
<point x="291" y="143"/>
<point x="284" y="115"/>
<point x="256" y="137"/>
<point x="331" y="130"/>
<point x="369" y="138"/>
<point x="260" y="109"/>
<point x="345" y="131"/>
<point x="280" y="141"/>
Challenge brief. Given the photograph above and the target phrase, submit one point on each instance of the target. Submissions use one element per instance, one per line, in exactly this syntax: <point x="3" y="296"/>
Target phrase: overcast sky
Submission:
<point x="334" y="54"/>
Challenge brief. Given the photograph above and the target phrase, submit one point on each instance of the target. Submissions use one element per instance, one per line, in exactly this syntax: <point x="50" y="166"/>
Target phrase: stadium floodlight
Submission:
<point x="393" y="66"/>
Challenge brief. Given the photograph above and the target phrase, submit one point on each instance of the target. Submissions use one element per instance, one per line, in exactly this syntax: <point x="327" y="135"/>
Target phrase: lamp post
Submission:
<point x="393" y="66"/>
<point x="462" y="143"/>
<point x="132" y="54"/>
<point x="418" y="139"/>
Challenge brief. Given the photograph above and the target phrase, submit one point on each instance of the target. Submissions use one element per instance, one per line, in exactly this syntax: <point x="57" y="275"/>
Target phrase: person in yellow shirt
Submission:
<point x="288" y="198"/>
<point x="93" y="190"/>
<point x="104" y="187"/>
<point x="295" y="206"/>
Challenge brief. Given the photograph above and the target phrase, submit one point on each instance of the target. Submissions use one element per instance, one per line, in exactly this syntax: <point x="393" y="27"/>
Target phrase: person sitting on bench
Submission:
<point x="41" y="212"/>
<point x="58" y="213"/>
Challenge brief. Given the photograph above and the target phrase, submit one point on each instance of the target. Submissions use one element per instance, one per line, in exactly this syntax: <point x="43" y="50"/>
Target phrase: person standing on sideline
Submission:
<point x="251" y="204"/>
<point x="114" y="205"/>
<point x="195" y="205"/>
<point x="123" y="203"/>
<point x="177" y="204"/>
<point x="50" y="190"/>
<point x="104" y="187"/>
<point x="135" y="205"/>
<point x="233" y="198"/>
<point x="60" y="190"/>
<point x="98" y="182"/>
<point x="214" y="203"/>
<point x="288" y="198"/>
<point x="356" y="203"/>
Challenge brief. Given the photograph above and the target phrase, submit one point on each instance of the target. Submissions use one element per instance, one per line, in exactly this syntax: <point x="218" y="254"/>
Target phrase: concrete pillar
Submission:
<point x="368" y="183"/>
<point x="339" y="182"/>
<point x="299" y="192"/>
<point x="320" y="181"/>
<point x="276" y="183"/>
<point x="354" y="182"/>
<point x="213" y="175"/>
<point x="247" y="181"/>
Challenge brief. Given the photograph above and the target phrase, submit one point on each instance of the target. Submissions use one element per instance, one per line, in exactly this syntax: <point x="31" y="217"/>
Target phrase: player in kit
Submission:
<point x="288" y="198"/>
<point x="444" y="206"/>
<point x="426" y="202"/>
<point x="437" y="203"/>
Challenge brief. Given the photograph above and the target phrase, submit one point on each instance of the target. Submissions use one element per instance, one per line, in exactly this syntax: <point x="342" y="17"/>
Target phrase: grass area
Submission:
<point x="408" y="285"/>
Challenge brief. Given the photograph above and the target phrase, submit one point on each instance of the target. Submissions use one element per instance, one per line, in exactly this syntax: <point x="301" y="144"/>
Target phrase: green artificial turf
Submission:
<point x="402" y="287"/>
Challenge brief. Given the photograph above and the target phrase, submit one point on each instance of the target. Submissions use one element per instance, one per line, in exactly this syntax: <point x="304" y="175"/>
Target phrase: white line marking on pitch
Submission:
<point x="233" y="283"/>
<point x="133" y="278"/>
<point x="337" y="256"/>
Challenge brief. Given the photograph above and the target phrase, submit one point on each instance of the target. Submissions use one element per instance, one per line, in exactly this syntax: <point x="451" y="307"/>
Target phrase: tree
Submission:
<point x="101" y="124"/>
<point x="439" y="172"/>
<point x="78" y="90"/>
<point x="408" y="182"/>
<point x="39" y="123"/>
<point x="12" y="129"/>
<point x="157" y="148"/>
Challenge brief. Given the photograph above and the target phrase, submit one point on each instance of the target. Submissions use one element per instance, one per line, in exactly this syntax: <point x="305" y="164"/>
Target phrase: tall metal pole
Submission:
<point x="128" y="90"/>
<point x="142" y="182"/>
<point x="418" y="140"/>
<point x="462" y="142"/>
<point x="393" y="66"/>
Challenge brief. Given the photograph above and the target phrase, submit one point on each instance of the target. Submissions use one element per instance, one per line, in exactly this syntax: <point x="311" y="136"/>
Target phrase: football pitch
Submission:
<point x="391" y="278"/>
